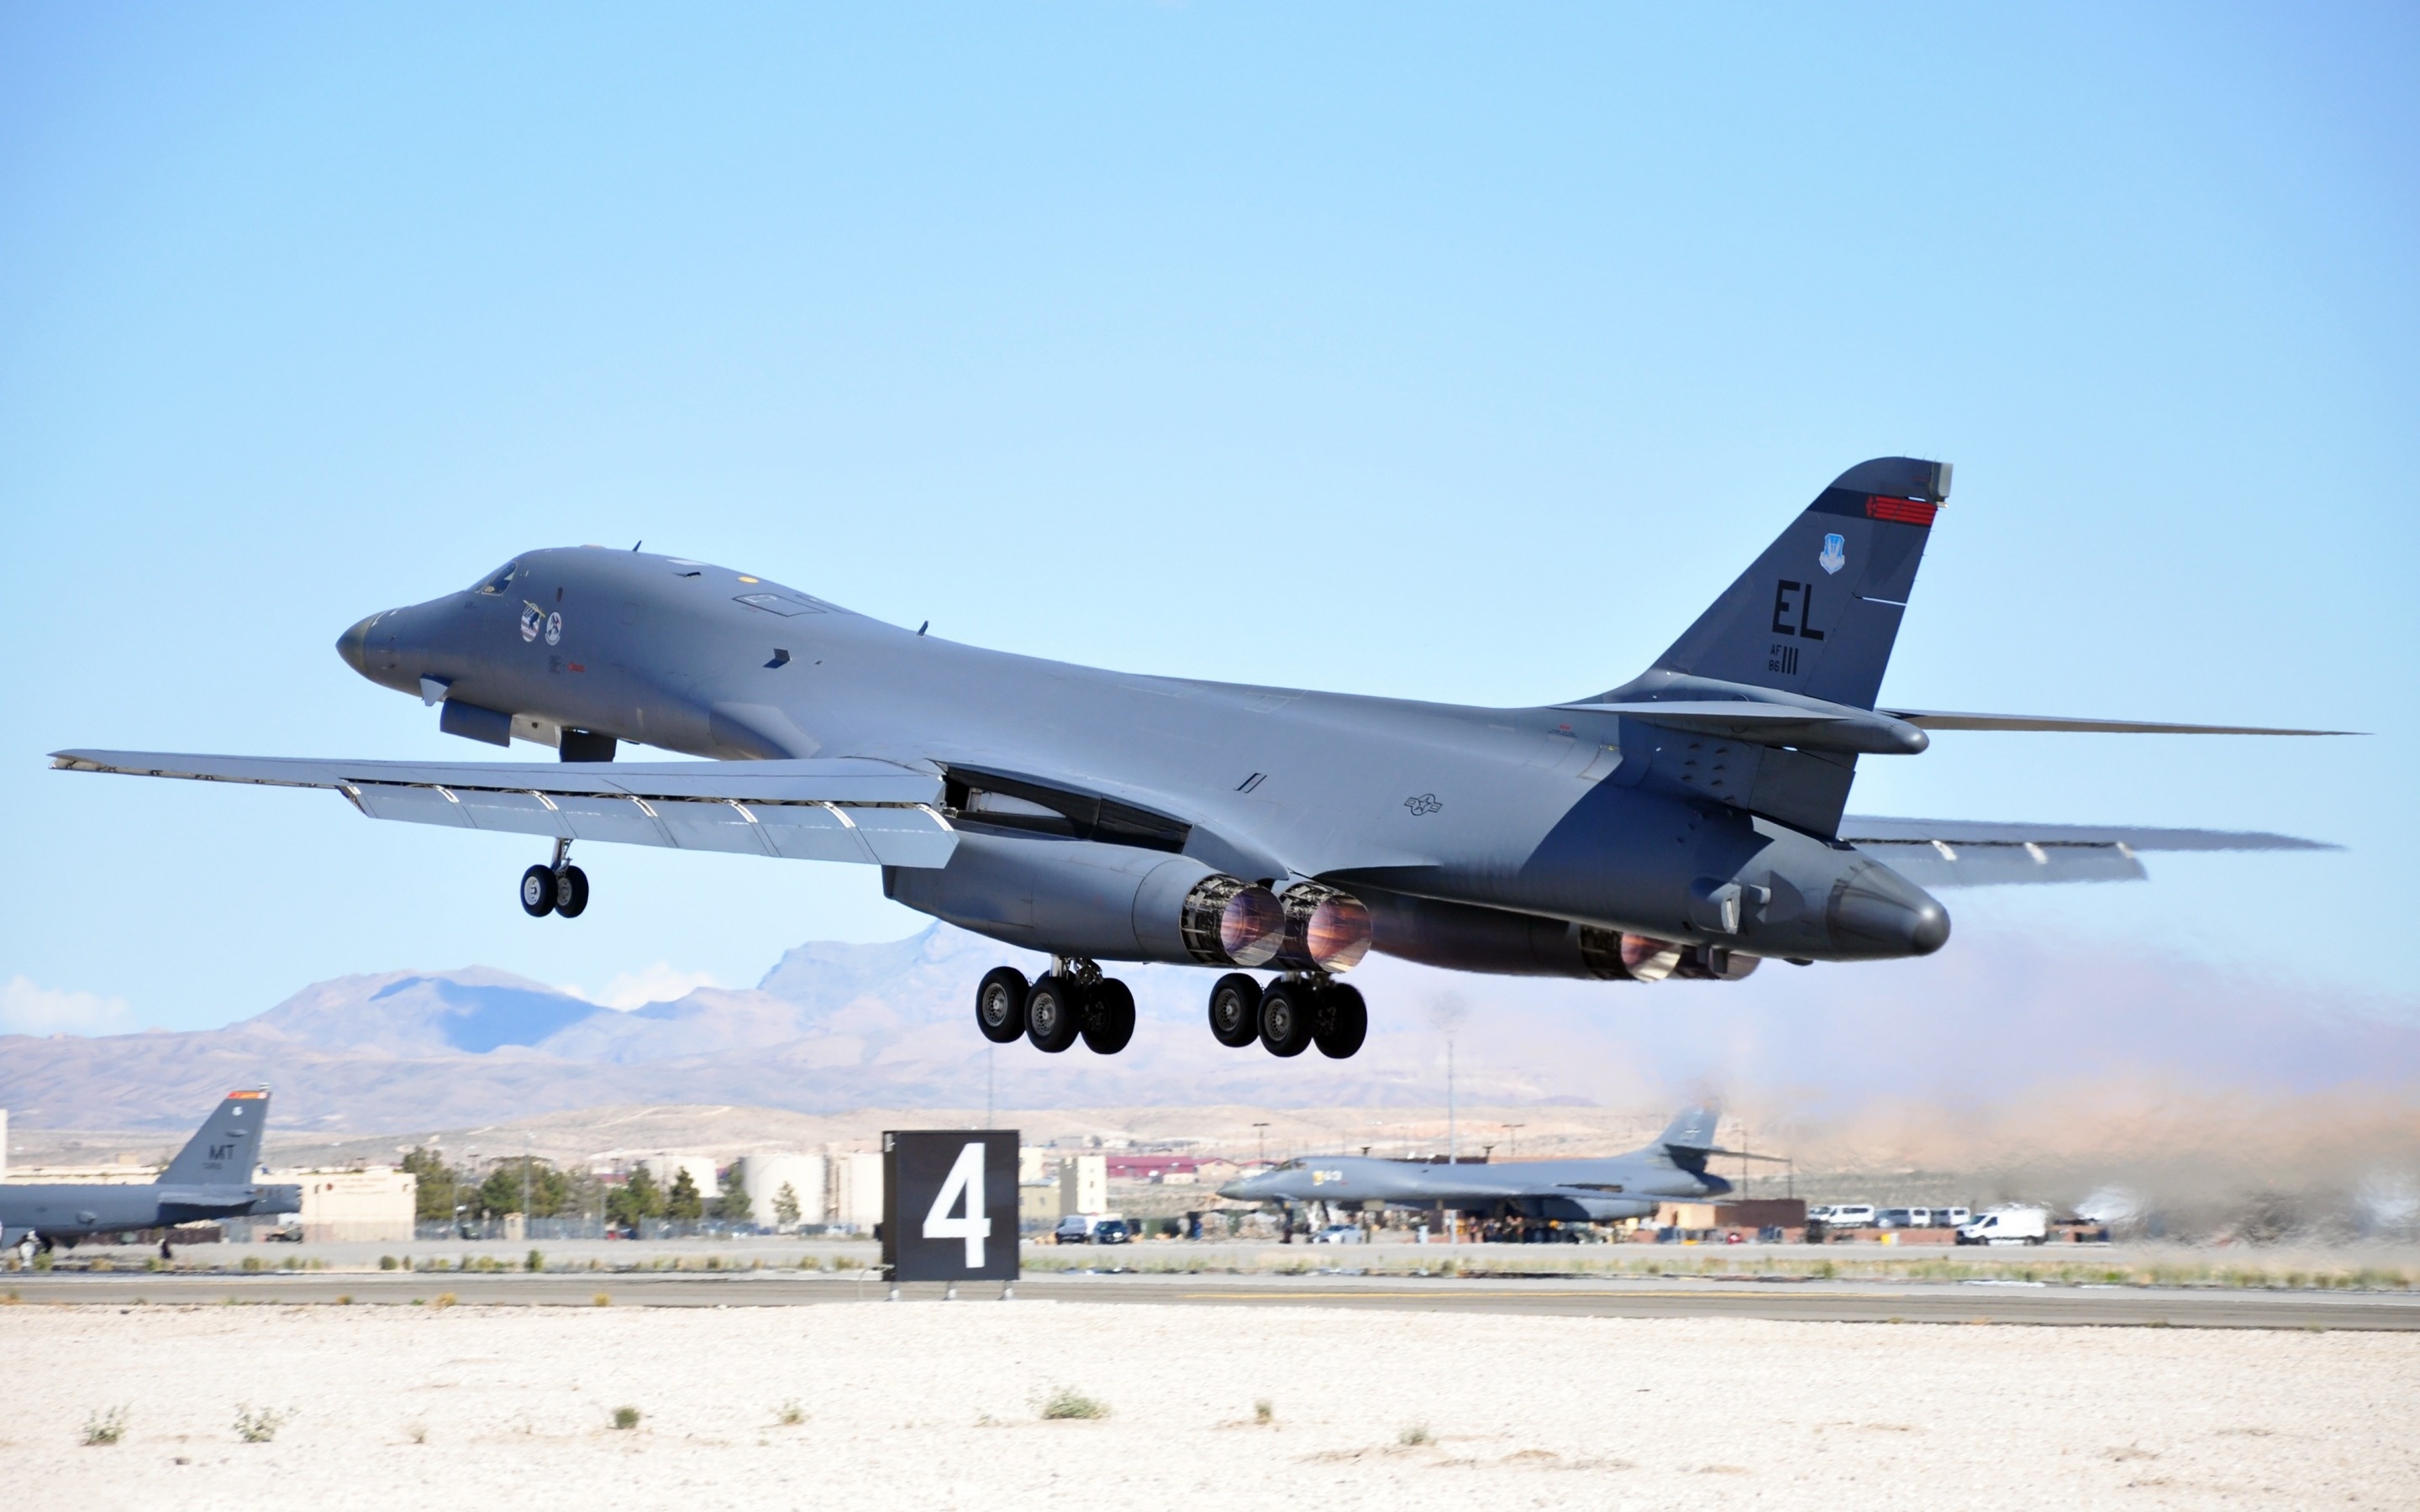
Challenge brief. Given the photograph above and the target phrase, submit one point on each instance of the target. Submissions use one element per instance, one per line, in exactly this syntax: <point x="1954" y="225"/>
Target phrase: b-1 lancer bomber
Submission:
<point x="213" y="1176"/>
<point x="1689" y="822"/>
<point x="1671" y="1169"/>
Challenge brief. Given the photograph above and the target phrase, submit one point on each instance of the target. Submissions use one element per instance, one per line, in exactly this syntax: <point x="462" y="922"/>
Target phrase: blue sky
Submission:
<point x="1444" y="352"/>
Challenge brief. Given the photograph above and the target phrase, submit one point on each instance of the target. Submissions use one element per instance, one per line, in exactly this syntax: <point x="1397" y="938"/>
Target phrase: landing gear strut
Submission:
<point x="556" y="888"/>
<point x="1071" y="1001"/>
<point x="1290" y="1015"/>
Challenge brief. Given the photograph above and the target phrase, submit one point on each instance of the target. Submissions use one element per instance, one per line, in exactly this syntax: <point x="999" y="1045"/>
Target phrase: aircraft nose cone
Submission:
<point x="1879" y="912"/>
<point x="1235" y="1191"/>
<point x="353" y="645"/>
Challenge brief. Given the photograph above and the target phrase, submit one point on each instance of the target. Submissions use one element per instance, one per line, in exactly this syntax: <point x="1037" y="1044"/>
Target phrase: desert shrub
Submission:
<point x="258" y="1424"/>
<point x="1264" y="1411"/>
<point x="626" y="1417"/>
<point x="1067" y="1402"/>
<point x="1414" y="1435"/>
<point x="105" y="1427"/>
<point x="790" y="1414"/>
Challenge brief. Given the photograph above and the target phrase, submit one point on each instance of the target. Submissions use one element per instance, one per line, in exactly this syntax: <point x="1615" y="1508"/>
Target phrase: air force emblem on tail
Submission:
<point x="1835" y="554"/>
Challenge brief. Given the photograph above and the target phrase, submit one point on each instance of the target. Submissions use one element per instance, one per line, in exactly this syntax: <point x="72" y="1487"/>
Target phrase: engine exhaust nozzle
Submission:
<point x="1227" y="921"/>
<point x="1326" y="928"/>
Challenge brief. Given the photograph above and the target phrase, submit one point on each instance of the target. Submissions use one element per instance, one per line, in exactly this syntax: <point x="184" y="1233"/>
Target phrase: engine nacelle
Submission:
<point x="1464" y="938"/>
<point x="1109" y="903"/>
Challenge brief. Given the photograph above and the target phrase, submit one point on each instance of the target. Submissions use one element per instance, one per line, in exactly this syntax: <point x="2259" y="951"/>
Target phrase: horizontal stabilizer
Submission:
<point x="1942" y="720"/>
<point x="810" y="810"/>
<point x="1952" y="853"/>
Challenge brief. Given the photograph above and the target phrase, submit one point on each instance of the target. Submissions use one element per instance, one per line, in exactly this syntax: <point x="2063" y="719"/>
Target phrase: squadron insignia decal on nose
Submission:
<point x="1427" y="803"/>
<point x="531" y="618"/>
<point x="1835" y="554"/>
<point x="554" y="628"/>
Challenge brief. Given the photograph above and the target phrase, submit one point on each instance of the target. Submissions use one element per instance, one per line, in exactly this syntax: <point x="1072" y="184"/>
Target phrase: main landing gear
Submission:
<point x="1072" y="1000"/>
<point x="557" y="888"/>
<point x="1289" y="1015"/>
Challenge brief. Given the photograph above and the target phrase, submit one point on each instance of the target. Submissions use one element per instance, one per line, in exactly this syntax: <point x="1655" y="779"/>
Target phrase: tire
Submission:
<point x="1343" y="1023"/>
<point x="1053" y="1014"/>
<point x="1108" y="1018"/>
<point x="1236" y="1010"/>
<point x="538" y="892"/>
<point x="1287" y="1013"/>
<point x="571" y="892"/>
<point x="999" y="1005"/>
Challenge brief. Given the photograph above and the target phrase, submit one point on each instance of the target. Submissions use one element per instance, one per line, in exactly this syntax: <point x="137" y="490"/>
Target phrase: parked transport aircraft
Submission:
<point x="1689" y="822"/>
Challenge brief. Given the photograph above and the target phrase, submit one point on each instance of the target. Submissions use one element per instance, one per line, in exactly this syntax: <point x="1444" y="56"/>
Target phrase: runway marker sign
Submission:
<point x="949" y="1204"/>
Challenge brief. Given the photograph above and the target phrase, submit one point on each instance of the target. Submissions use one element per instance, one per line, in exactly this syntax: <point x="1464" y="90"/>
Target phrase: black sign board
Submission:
<point x="949" y="1204"/>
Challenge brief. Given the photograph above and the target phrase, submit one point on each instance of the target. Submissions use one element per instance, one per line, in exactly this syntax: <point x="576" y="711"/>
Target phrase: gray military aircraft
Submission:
<point x="1673" y="1168"/>
<point x="213" y="1176"/>
<point x="1687" y="823"/>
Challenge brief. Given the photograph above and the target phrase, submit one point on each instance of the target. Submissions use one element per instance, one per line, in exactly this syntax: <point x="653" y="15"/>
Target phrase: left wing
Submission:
<point x="1958" y="853"/>
<point x="846" y="809"/>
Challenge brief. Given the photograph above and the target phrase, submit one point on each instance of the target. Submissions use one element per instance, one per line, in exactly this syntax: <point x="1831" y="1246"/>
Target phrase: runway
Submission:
<point x="1789" y="1300"/>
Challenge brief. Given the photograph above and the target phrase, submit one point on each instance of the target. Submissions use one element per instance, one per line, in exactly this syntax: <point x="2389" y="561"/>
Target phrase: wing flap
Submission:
<point x="1958" y="853"/>
<point x="848" y="809"/>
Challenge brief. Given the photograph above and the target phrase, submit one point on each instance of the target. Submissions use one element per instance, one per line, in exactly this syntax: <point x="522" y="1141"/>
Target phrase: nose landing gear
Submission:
<point x="557" y="888"/>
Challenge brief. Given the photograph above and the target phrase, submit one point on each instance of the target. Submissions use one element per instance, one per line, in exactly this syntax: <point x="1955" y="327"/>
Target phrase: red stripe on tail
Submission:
<point x="1904" y="511"/>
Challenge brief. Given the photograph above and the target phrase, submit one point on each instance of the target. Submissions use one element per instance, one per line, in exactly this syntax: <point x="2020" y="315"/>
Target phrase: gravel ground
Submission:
<point x="930" y="1404"/>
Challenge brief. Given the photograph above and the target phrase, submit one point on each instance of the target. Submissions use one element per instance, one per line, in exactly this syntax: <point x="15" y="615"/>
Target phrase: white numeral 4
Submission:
<point x="966" y="1180"/>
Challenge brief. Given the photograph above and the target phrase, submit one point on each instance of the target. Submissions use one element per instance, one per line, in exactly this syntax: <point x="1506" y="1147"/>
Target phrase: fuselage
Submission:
<point x="1622" y="1186"/>
<point x="67" y="1210"/>
<point x="1564" y="815"/>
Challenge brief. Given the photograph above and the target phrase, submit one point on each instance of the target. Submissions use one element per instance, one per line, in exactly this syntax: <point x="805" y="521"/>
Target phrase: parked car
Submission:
<point x="1112" y="1231"/>
<point x="1339" y="1234"/>
<point x="1089" y="1228"/>
<point x="1851" y="1215"/>
<point x="2011" y="1224"/>
<point x="1899" y="1218"/>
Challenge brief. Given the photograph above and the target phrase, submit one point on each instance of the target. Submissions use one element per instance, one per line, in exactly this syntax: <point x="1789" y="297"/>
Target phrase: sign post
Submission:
<point x="949" y="1205"/>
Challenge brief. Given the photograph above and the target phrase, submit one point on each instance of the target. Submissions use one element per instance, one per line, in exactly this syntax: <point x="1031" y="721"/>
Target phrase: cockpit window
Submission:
<point x="501" y="578"/>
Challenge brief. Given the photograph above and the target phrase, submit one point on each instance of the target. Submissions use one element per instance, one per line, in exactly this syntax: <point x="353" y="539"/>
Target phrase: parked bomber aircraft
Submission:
<point x="1673" y="1168"/>
<point x="1687" y="823"/>
<point x="213" y="1176"/>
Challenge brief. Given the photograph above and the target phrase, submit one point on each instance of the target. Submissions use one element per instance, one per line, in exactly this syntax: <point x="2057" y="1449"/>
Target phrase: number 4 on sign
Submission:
<point x="966" y="1181"/>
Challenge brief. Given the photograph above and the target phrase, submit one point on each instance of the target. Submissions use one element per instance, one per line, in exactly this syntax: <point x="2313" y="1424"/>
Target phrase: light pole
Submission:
<point x="1263" y="1161"/>
<point x="1513" y="1140"/>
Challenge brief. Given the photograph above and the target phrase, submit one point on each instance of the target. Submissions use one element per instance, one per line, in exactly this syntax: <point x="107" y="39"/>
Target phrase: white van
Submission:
<point x="2011" y="1225"/>
<point x="1951" y="1217"/>
<point x="1851" y="1215"/>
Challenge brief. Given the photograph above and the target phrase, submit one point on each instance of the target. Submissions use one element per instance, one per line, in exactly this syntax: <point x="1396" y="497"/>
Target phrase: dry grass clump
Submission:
<point x="626" y="1417"/>
<point x="105" y="1427"/>
<point x="1067" y="1402"/>
<point x="1415" y="1436"/>
<point x="1264" y="1411"/>
<point x="258" y="1424"/>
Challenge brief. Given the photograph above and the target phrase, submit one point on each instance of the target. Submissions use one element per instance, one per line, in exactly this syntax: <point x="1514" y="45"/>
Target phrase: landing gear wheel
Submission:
<point x="570" y="891"/>
<point x="1109" y="1017"/>
<point x="538" y="892"/>
<point x="1286" y="1013"/>
<point x="1236" y="1010"/>
<point x="1343" y="1021"/>
<point x="999" y="1005"/>
<point x="1053" y="1011"/>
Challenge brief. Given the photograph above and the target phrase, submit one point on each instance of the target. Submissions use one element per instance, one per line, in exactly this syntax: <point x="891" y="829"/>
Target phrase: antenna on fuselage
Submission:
<point x="922" y="628"/>
<point x="640" y="542"/>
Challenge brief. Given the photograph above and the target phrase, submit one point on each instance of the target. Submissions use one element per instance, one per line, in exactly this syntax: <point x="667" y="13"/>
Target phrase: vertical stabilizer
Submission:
<point x="1818" y="611"/>
<point x="1691" y="1129"/>
<point x="227" y="1148"/>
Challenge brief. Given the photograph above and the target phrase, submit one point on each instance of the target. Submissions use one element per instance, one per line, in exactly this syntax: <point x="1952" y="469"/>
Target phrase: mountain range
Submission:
<point x="836" y="1026"/>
